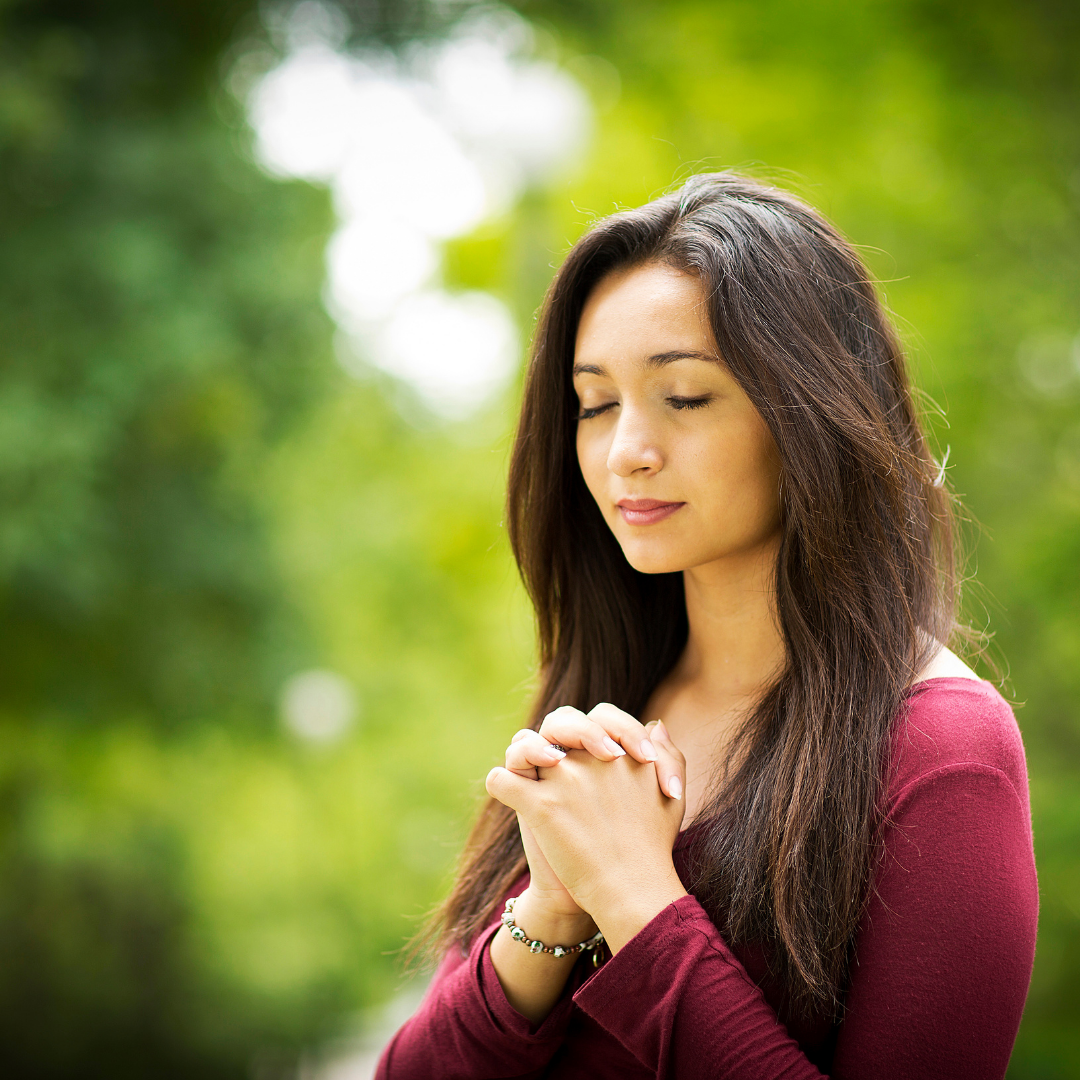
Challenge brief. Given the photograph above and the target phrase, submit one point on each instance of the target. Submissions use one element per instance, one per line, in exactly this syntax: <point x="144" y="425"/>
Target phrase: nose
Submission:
<point x="633" y="446"/>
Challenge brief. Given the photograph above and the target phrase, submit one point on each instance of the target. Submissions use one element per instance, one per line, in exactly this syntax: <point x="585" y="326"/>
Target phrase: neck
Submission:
<point x="734" y="648"/>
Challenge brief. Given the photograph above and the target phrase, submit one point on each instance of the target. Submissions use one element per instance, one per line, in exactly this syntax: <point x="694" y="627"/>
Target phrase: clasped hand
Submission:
<point x="598" y="823"/>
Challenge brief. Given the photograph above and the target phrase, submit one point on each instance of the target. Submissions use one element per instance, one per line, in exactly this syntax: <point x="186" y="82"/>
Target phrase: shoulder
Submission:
<point x="946" y="663"/>
<point x="960" y="725"/>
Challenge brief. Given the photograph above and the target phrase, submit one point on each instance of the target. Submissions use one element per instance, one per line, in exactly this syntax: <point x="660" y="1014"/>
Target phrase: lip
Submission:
<point x="646" y="511"/>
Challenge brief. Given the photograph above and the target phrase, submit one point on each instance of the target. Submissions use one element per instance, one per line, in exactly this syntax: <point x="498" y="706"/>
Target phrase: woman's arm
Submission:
<point x="605" y="831"/>
<point x="942" y="963"/>
<point x="945" y="953"/>
<point x="939" y="976"/>
<point x="547" y="912"/>
<point x="534" y="982"/>
<point x="465" y="1027"/>
<point x="502" y="1010"/>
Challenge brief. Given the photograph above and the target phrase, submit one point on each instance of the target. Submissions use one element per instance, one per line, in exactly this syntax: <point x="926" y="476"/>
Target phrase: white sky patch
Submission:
<point x="373" y="263"/>
<point x="417" y="152"/>
<point x="458" y="348"/>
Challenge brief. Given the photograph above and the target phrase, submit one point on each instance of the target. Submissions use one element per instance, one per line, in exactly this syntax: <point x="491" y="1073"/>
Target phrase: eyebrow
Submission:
<point x="656" y="360"/>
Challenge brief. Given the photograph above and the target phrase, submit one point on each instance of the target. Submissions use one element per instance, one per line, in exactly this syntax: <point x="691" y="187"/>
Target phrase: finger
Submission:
<point x="625" y="729"/>
<point x="525" y="755"/>
<point x="660" y="734"/>
<point x="670" y="772"/>
<point x="510" y="789"/>
<point x="671" y="765"/>
<point x="573" y="729"/>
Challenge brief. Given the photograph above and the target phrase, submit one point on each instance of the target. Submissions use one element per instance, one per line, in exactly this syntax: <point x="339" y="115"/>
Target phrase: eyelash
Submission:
<point x="675" y="402"/>
<point x="689" y="403"/>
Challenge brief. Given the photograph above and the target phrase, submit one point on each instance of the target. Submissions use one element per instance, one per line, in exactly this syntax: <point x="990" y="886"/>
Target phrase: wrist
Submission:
<point x="625" y="913"/>
<point x="551" y="923"/>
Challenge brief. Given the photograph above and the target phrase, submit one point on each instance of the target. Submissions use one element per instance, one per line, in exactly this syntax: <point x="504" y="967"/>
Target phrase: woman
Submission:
<point x="820" y="860"/>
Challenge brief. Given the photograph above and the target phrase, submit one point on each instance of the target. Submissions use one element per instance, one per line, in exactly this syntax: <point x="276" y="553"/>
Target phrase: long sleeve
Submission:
<point x="696" y="1013"/>
<point x="465" y="1029"/>
<point x="941" y="968"/>
<point x="945" y="955"/>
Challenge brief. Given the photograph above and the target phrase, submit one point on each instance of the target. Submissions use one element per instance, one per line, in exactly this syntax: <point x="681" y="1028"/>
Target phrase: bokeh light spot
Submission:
<point x="318" y="706"/>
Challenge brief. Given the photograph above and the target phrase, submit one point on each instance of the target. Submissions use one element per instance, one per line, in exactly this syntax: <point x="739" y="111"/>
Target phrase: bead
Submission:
<point x="536" y="947"/>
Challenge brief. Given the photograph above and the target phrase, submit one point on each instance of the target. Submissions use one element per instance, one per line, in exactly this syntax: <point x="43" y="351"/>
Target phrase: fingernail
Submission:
<point x="661" y="731"/>
<point x="648" y="751"/>
<point x="558" y="753"/>
<point x="612" y="747"/>
<point x="675" y="787"/>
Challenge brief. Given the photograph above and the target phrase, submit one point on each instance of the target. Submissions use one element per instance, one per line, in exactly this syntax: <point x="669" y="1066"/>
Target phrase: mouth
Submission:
<point x="646" y="511"/>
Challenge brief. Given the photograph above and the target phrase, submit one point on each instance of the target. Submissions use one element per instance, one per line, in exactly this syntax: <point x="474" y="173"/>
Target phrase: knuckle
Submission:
<point x="605" y="708"/>
<point x="557" y="718"/>
<point x="561" y="712"/>
<point x="615" y="721"/>
<point x="606" y="711"/>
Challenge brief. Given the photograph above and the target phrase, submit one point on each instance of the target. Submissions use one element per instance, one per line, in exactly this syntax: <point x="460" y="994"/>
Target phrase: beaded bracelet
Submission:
<point x="558" y="951"/>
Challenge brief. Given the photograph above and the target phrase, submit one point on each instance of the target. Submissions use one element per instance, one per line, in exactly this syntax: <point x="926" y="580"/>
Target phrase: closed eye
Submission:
<point x="689" y="403"/>
<point x="588" y="414"/>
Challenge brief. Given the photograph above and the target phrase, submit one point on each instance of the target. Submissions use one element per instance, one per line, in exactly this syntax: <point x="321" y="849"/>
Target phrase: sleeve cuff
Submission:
<point x="505" y="1017"/>
<point x="652" y="971"/>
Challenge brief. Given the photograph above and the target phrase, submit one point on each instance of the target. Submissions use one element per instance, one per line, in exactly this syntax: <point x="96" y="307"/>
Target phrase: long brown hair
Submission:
<point x="865" y="582"/>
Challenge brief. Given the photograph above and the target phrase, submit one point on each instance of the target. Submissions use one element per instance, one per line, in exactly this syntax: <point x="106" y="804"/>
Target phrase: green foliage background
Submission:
<point x="197" y="503"/>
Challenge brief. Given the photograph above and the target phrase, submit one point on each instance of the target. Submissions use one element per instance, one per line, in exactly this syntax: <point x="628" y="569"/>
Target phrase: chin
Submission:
<point x="649" y="559"/>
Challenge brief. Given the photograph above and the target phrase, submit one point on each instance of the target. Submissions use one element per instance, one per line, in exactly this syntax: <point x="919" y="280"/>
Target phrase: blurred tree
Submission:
<point x="161" y="328"/>
<point x="181" y="891"/>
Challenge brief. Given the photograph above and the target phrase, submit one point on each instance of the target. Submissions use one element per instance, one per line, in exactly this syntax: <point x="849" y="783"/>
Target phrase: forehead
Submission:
<point x="641" y="312"/>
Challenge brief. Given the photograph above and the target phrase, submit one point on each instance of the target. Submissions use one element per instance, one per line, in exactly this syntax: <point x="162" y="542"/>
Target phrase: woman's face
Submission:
<point x="679" y="461"/>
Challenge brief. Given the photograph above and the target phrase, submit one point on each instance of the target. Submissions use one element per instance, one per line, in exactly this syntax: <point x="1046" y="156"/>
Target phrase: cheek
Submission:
<point x="762" y="487"/>
<point x="591" y="460"/>
<point x="748" y="469"/>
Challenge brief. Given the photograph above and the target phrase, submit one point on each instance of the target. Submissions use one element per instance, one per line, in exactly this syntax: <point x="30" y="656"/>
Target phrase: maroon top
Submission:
<point x="942" y="958"/>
